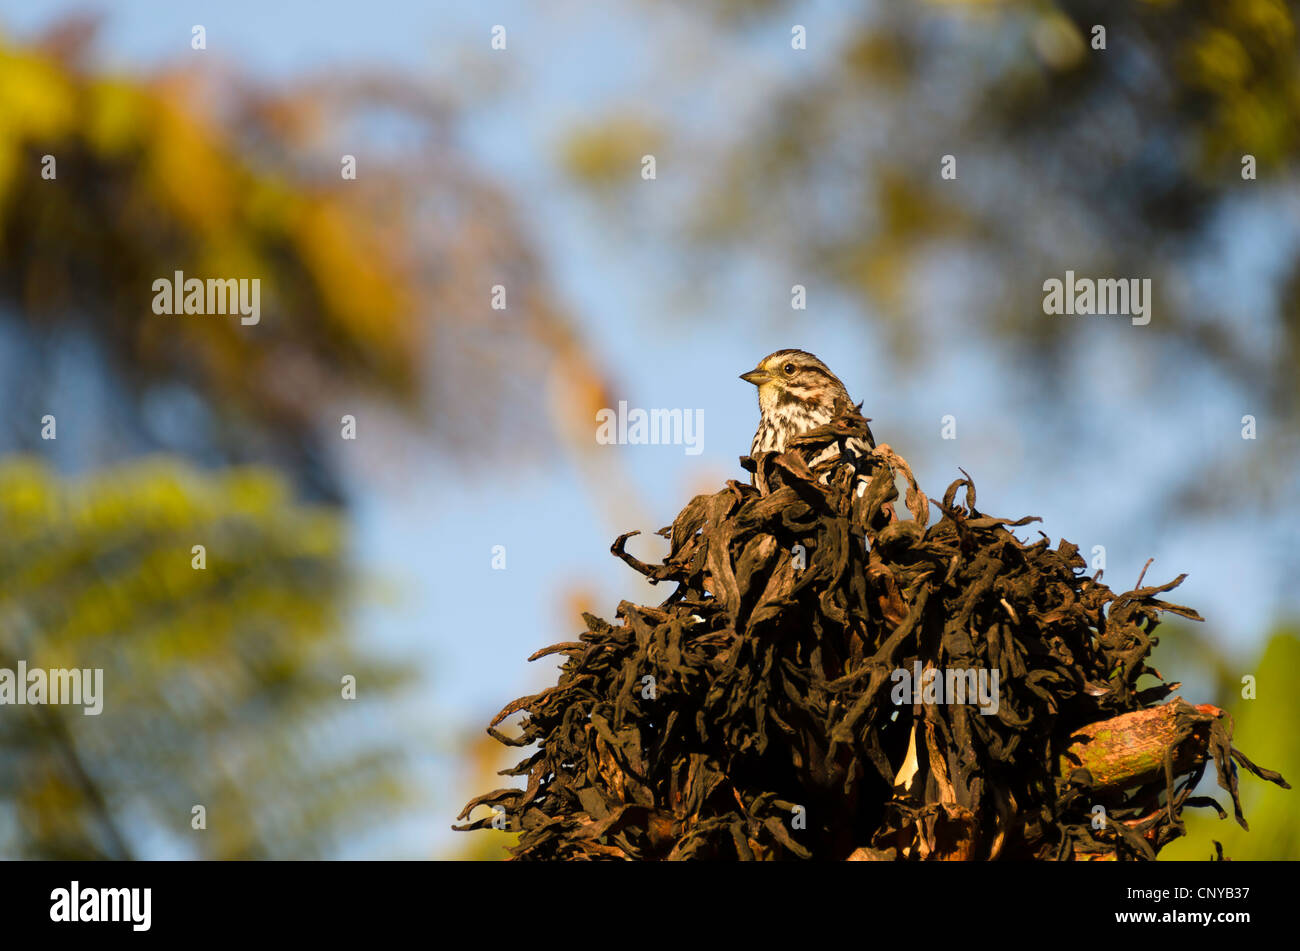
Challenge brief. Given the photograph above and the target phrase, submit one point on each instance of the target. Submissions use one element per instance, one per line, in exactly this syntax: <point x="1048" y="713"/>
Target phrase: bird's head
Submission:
<point x="790" y="379"/>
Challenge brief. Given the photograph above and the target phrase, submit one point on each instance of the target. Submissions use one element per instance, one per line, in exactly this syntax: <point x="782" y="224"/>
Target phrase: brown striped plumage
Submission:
<point x="798" y="393"/>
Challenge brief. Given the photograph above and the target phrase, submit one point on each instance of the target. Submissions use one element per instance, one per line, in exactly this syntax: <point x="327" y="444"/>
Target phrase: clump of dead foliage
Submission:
<point x="830" y="679"/>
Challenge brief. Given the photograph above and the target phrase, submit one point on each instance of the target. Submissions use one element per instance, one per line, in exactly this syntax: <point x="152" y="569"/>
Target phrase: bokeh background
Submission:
<point x="522" y="167"/>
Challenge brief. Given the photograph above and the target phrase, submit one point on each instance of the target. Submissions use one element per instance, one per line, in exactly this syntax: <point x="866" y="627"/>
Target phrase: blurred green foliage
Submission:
<point x="1265" y="726"/>
<point x="149" y="181"/>
<point x="372" y="287"/>
<point x="222" y="685"/>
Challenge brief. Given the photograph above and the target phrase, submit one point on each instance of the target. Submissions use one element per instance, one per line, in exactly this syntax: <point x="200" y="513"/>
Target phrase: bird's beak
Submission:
<point x="757" y="377"/>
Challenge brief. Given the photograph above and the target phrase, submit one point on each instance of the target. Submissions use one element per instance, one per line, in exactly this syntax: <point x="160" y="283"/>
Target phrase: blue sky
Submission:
<point x="433" y="546"/>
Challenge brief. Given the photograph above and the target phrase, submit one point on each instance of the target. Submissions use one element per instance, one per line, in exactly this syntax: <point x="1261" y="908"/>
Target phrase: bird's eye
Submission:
<point x="788" y="369"/>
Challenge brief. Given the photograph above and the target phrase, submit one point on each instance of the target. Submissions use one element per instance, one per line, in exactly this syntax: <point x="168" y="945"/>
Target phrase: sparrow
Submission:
<point x="798" y="393"/>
